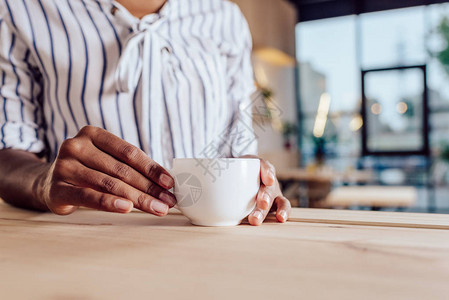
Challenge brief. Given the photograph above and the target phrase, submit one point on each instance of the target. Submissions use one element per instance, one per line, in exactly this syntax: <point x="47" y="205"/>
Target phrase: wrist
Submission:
<point x="41" y="186"/>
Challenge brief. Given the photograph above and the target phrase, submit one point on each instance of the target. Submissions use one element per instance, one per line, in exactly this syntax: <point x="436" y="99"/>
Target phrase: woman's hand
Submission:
<point x="98" y="170"/>
<point x="269" y="198"/>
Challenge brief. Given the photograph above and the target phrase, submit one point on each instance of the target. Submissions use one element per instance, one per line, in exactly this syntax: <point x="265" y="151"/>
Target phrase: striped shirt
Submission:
<point x="176" y="83"/>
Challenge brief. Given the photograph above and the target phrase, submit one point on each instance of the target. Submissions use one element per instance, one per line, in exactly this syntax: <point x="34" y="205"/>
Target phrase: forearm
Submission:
<point x="22" y="176"/>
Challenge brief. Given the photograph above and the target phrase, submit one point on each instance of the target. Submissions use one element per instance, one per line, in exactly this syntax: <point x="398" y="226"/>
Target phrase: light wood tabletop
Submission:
<point x="319" y="254"/>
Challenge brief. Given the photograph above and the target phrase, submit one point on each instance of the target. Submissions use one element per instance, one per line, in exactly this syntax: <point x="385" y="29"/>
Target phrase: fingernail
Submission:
<point x="257" y="215"/>
<point x="272" y="175"/>
<point x="167" y="199"/>
<point x="283" y="215"/>
<point x="123" y="205"/>
<point x="159" y="207"/>
<point x="166" y="180"/>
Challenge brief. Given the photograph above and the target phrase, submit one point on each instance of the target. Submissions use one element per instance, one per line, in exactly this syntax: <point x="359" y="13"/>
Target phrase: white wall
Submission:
<point x="272" y="24"/>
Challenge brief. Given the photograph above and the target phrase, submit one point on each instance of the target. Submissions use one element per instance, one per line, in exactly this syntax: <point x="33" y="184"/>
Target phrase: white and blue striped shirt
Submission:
<point x="176" y="83"/>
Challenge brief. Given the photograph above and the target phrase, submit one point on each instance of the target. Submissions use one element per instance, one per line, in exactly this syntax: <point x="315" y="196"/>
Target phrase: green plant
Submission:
<point x="443" y="55"/>
<point x="289" y="129"/>
<point x="267" y="96"/>
<point x="444" y="155"/>
<point x="319" y="148"/>
<point x="266" y="93"/>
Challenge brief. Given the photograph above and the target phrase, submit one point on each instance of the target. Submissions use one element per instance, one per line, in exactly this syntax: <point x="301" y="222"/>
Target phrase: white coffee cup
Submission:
<point x="216" y="192"/>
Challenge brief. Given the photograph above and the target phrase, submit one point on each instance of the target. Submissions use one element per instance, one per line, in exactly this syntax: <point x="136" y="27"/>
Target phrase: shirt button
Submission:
<point x="114" y="10"/>
<point x="166" y="49"/>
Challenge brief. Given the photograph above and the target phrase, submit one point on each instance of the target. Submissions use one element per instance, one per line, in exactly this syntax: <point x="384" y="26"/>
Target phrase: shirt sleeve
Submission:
<point x="240" y="79"/>
<point x="21" y="125"/>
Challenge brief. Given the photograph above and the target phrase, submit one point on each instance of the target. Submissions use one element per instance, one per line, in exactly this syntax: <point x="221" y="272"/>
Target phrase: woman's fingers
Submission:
<point x="106" y="164"/>
<point x="99" y="170"/>
<point x="269" y="196"/>
<point x="128" y="154"/>
<point x="257" y="216"/>
<point x="76" y="174"/>
<point x="267" y="173"/>
<point x="264" y="197"/>
<point x="283" y="208"/>
<point x="264" y="201"/>
<point x="90" y="198"/>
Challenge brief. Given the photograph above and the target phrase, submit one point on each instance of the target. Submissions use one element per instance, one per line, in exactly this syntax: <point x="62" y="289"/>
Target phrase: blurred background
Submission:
<point x="352" y="104"/>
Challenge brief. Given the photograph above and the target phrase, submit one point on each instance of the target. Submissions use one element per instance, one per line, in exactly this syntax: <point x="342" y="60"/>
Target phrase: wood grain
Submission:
<point x="96" y="255"/>
<point x="371" y="218"/>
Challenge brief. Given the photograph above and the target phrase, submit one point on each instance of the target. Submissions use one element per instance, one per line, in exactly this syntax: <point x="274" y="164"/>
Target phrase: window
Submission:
<point x="333" y="52"/>
<point x="326" y="50"/>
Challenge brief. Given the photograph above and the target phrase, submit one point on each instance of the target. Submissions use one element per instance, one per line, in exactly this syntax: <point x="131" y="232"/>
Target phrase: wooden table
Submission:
<point x="319" y="254"/>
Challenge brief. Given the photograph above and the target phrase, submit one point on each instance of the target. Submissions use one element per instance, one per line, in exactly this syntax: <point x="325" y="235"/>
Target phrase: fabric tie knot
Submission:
<point x="136" y="55"/>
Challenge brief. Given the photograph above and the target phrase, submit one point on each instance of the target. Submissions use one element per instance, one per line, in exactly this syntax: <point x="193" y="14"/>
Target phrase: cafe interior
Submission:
<point x="352" y="108"/>
<point x="352" y="103"/>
